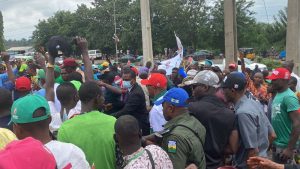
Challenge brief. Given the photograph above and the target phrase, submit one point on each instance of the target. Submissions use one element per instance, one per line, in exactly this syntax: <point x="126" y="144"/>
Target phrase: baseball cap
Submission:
<point x="23" y="84"/>
<point x="6" y="136"/>
<point x="94" y="66"/>
<point x="206" y="77"/>
<point x="232" y="65"/>
<point x="134" y="69"/>
<point x="69" y="62"/>
<point x="186" y="81"/>
<point x="175" y="96"/>
<point x="106" y="64"/>
<point x="41" y="74"/>
<point x="192" y="73"/>
<point x="280" y="73"/>
<point x="156" y="80"/>
<point x="22" y="110"/>
<point x="27" y="153"/>
<point x="235" y="80"/>
<point x="208" y="62"/>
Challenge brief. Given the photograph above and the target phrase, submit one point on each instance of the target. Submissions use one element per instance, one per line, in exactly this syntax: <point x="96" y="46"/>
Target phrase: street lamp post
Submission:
<point x="115" y="35"/>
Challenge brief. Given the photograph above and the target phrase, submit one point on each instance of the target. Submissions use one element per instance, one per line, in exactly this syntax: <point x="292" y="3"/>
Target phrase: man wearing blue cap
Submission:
<point x="184" y="135"/>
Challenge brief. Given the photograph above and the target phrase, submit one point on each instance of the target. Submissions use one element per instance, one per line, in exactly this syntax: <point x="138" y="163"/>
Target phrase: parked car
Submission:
<point x="248" y="64"/>
<point x="95" y="54"/>
<point x="201" y="55"/>
<point x="125" y="58"/>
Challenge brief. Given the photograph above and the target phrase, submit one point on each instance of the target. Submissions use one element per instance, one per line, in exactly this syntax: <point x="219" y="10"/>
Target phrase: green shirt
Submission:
<point x="182" y="145"/>
<point x="59" y="80"/>
<point x="282" y="105"/>
<point x="93" y="133"/>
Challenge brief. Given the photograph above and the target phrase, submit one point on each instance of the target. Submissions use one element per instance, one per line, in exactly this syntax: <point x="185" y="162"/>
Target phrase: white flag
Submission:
<point x="175" y="61"/>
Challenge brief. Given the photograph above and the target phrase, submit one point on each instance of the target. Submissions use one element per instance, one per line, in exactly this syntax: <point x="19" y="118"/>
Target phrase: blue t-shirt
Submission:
<point x="41" y="92"/>
<point x="5" y="82"/>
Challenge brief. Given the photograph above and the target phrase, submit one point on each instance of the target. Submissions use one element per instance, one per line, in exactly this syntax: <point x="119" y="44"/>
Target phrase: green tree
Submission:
<point x="60" y="24"/>
<point x="246" y="24"/>
<point x="199" y="26"/>
<point x="187" y="18"/>
<point x="276" y="33"/>
<point x="1" y="33"/>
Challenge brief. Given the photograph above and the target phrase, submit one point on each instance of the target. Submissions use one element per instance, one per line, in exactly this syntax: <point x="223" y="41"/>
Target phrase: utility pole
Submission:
<point x="115" y="35"/>
<point x="146" y="31"/>
<point x="230" y="32"/>
<point x="293" y="34"/>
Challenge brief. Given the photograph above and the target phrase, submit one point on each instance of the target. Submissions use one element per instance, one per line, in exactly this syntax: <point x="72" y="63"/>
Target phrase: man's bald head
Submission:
<point x="127" y="130"/>
<point x="259" y="74"/>
<point x="289" y="65"/>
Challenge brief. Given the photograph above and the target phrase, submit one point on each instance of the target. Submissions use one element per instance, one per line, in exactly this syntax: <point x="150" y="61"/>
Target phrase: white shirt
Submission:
<point x="298" y="81"/>
<point x="156" y="118"/>
<point x="75" y="111"/>
<point x="67" y="154"/>
<point x="56" y="118"/>
<point x="56" y="101"/>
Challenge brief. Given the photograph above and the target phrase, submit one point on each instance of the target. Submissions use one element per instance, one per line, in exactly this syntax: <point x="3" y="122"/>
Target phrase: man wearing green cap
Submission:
<point x="31" y="117"/>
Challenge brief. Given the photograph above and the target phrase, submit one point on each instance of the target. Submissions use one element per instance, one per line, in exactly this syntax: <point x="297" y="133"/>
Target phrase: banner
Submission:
<point x="175" y="61"/>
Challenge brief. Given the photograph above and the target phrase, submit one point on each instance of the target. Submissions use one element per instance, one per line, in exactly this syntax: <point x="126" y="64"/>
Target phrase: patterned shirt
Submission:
<point x="140" y="159"/>
<point x="260" y="93"/>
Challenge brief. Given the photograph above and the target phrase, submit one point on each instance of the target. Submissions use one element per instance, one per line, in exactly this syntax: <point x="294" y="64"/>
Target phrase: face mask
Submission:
<point x="126" y="84"/>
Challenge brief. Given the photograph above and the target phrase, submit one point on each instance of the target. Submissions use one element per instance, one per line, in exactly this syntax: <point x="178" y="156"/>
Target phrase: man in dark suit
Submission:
<point x="135" y="103"/>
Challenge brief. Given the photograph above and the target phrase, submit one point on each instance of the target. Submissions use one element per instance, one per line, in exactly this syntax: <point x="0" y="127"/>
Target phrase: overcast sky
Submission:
<point x="20" y="16"/>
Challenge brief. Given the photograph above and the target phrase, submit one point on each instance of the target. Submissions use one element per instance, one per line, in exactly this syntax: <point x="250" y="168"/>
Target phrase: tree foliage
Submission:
<point x="1" y="33"/>
<point x="199" y="25"/>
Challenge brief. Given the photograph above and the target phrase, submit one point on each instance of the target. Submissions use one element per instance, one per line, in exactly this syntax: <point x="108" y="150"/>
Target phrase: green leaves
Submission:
<point x="199" y="24"/>
<point x="1" y="33"/>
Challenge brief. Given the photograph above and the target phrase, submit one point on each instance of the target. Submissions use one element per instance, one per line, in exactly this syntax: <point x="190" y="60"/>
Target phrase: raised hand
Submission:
<point x="82" y="44"/>
<point x="5" y="57"/>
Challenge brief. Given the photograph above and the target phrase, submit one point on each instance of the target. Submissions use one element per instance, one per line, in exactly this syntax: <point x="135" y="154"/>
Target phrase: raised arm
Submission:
<point x="50" y="79"/>
<point x="5" y="57"/>
<point x="110" y="87"/>
<point x="242" y="56"/>
<point x="83" y="46"/>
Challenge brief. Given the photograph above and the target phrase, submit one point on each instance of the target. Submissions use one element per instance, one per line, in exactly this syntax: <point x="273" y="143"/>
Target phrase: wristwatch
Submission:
<point x="49" y="65"/>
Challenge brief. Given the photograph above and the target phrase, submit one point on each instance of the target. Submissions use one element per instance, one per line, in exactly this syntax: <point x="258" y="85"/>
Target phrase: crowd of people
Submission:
<point x="81" y="115"/>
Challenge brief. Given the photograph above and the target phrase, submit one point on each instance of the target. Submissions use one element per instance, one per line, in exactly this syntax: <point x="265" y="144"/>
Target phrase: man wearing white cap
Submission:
<point x="215" y="116"/>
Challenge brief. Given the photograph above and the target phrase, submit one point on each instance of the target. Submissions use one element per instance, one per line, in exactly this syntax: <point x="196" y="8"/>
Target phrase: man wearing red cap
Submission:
<point x="22" y="86"/>
<point x="156" y="85"/>
<point x="285" y="117"/>
<point x="233" y="67"/>
<point x="70" y="65"/>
